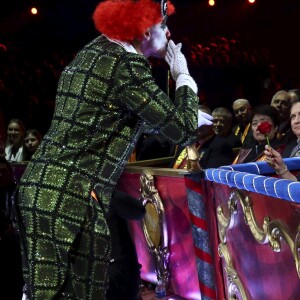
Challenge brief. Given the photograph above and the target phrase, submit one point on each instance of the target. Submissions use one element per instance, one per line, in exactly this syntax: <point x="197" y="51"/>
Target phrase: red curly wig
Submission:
<point x="126" y="20"/>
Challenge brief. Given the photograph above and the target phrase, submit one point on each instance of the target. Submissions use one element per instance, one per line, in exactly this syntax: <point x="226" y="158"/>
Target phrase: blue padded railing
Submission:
<point x="249" y="177"/>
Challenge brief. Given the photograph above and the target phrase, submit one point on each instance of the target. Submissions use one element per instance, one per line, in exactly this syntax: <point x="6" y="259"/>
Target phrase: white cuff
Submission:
<point x="185" y="79"/>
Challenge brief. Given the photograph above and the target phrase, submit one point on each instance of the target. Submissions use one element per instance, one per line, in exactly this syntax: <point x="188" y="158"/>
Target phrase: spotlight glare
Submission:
<point x="211" y="2"/>
<point x="34" y="10"/>
<point x="251" y="1"/>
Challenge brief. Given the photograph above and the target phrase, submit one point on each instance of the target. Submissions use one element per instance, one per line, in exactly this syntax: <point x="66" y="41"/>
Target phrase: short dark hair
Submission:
<point x="267" y="110"/>
<point x="35" y="133"/>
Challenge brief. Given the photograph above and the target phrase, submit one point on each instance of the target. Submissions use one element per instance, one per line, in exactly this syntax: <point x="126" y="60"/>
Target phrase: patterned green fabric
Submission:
<point x="105" y="98"/>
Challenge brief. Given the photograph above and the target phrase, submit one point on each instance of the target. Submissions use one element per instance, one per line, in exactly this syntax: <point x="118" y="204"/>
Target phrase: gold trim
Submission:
<point x="245" y="133"/>
<point x="247" y="206"/>
<point x="223" y="222"/>
<point x="226" y="223"/>
<point x="180" y="173"/>
<point x="272" y="232"/>
<point x="193" y="158"/>
<point x="235" y="286"/>
<point x="151" y="162"/>
<point x="296" y="252"/>
<point x="155" y="226"/>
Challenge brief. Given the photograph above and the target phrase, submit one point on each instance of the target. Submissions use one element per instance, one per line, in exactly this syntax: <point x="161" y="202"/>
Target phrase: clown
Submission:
<point x="106" y="98"/>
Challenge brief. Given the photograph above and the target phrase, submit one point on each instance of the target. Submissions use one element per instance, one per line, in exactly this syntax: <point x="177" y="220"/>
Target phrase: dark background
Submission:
<point x="64" y="26"/>
<point x="67" y="23"/>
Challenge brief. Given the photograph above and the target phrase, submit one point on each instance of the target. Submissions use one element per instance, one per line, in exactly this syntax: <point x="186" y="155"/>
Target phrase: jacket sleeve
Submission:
<point x="138" y="93"/>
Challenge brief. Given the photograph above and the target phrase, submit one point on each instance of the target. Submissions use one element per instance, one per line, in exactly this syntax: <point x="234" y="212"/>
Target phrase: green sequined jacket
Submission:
<point x="106" y="97"/>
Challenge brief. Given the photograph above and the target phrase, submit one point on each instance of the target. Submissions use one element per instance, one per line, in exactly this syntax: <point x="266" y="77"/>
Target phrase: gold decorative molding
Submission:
<point x="225" y="223"/>
<point x="272" y="232"/>
<point x="155" y="226"/>
<point x="235" y="287"/>
<point x="193" y="158"/>
<point x="296" y="251"/>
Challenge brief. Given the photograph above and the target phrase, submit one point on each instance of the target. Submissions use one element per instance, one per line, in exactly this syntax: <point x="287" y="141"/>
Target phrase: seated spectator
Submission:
<point x="2" y="135"/>
<point x="204" y="108"/>
<point x="294" y="94"/>
<point x="214" y="151"/>
<point x="274" y="158"/>
<point x="254" y="150"/>
<point x="282" y="102"/>
<point x="14" y="151"/>
<point x="152" y="146"/>
<point x="31" y="142"/>
<point x="242" y="111"/>
<point x="222" y="126"/>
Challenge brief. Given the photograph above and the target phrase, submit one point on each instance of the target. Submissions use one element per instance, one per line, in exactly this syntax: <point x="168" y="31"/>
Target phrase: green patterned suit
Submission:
<point x="106" y="97"/>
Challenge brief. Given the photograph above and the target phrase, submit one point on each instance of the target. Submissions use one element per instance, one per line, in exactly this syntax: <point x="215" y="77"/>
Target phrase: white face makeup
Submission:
<point x="156" y="41"/>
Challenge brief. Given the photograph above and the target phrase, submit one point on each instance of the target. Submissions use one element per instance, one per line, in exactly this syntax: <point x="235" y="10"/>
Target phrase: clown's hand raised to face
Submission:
<point x="178" y="67"/>
<point x="176" y="60"/>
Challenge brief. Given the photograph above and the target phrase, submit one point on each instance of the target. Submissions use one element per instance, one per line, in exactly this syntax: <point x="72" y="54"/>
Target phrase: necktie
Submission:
<point x="296" y="151"/>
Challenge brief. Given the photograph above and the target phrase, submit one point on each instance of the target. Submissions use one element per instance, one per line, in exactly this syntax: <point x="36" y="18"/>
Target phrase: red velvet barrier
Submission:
<point x="245" y="265"/>
<point x="182" y="264"/>
<point x="263" y="273"/>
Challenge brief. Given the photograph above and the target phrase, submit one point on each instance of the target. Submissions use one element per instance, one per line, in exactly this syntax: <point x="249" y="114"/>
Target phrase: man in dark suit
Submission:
<point x="222" y="126"/>
<point x="282" y="102"/>
<point x="214" y="151"/>
<point x="242" y="111"/>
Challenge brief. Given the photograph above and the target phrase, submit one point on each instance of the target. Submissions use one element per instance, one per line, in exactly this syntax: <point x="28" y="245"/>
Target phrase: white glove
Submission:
<point x="204" y="118"/>
<point x="176" y="60"/>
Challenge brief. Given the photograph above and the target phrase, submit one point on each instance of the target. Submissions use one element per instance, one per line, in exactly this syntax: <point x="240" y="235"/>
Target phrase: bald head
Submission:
<point x="242" y="111"/>
<point x="239" y="102"/>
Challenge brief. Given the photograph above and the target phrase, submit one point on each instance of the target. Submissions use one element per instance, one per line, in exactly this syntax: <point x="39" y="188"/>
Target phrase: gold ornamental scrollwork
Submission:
<point x="235" y="287"/>
<point x="225" y="223"/>
<point x="271" y="231"/>
<point x="155" y="226"/>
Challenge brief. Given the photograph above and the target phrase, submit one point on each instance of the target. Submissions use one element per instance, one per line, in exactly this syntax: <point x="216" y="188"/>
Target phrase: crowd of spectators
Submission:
<point x="222" y="67"/>
<point x="230" y="78"/>
<point x="28" y="84"/>
<point x="225" y="69"/>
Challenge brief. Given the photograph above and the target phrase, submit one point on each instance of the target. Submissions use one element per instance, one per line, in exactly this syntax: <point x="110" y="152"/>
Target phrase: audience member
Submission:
<point x="254" y="150"/>
<point x="222" y="126"/>
<point x="205" y="108"/>
<point x="14" y="150"/>
<point x="242" y="111"/>
<point x="152" y="146"/>
<point x="214" y="151"/>
<point x="31" y="142"/>
<point x="224" y="67"/>
<point x="274" y="158"/>
<point x="282" y="102"/>
<point x="2" y="135"/>
<point x="294" y="94"/>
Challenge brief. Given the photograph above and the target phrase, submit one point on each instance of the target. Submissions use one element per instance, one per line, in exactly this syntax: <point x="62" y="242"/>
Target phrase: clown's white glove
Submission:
<point x="204" y="118"/>
<point x="176" y="60"/>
